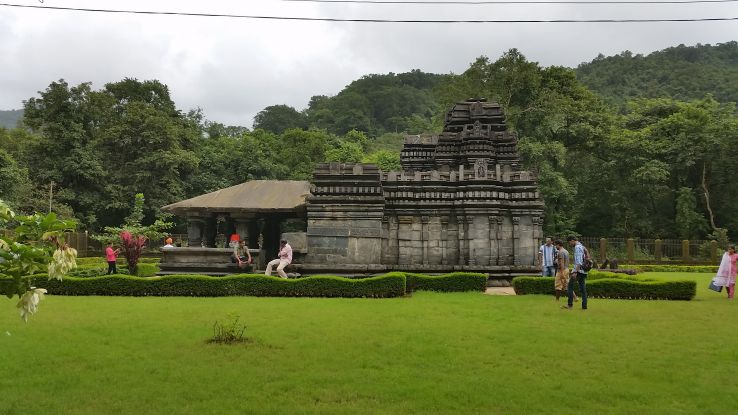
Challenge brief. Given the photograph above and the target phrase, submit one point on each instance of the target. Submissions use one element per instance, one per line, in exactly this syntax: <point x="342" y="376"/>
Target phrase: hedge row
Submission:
<point x="452" y="282"/>
<point x="614" y="288"/>
<point x="675" y="268"/>
<point x="242" y="284"/>
<point x="389" y="285"/>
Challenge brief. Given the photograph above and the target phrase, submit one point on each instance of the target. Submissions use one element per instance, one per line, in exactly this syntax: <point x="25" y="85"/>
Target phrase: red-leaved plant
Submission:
<point x="132" y="247"/>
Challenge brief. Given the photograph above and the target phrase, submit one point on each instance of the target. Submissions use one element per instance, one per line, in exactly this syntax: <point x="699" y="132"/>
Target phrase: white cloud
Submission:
<point x="233" y="68"/>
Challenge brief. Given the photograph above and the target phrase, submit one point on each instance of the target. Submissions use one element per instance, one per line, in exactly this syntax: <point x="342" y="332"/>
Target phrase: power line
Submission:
<point x="464" y="2"/>
<point x="330" y="19"/>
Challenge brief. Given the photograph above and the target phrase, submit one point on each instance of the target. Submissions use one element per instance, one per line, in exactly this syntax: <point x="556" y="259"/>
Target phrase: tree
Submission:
<point x="689" y="222"/>
<point x="278" y="118"/>
<point x="300" y="150"/>
<point x="346" y="152"/>
<point x="35" y="244"/>
<point x="67" y="121"/>
<point x="386" y="160"/>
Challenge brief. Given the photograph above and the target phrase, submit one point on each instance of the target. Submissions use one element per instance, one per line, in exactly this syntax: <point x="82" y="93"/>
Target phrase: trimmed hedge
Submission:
<point x="452" y="282"/>
<point x="675" y="268"/>
<point x="146" y="269"/>
<point x="242" y="284"/>
<point x="623" y="288"/>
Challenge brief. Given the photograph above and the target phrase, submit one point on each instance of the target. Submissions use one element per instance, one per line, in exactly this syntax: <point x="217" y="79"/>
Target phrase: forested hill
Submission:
<point x="9" y="119"/>
<point x="376" y="104"/>
<point x="681" y="72"/>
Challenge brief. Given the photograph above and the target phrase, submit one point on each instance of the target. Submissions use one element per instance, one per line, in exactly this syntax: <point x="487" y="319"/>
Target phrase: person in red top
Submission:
<point x="285" y="258"/>
<point x="111" y="255"/>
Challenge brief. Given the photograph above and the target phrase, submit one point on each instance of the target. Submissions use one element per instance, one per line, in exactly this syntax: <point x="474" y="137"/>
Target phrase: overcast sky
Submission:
<point x="233" y="68"/>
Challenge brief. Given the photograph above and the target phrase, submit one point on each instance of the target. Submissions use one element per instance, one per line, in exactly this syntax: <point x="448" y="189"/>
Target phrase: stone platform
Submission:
<point x="207" y="261"/>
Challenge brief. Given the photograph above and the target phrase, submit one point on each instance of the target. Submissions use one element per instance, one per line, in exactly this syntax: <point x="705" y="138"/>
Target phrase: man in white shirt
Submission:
<point x="546" y="258"/>
<point x="285" y="258"/>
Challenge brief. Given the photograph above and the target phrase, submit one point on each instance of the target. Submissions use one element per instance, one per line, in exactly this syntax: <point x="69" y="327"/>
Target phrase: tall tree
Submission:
<point x="278" y="118"/>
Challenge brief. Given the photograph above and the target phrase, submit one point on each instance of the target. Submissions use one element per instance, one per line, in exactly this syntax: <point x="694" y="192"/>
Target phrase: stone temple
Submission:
<point x="460" y="202"/>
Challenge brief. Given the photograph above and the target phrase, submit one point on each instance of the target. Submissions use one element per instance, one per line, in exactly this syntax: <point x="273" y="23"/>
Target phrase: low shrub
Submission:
<point x="620" y="287"/>
<point x="453" y="282"/>
<point x="229" y="331"/>
<point x="146" y="269"/>
<point x="241" y="284"/>
<point x="674" y="268"/>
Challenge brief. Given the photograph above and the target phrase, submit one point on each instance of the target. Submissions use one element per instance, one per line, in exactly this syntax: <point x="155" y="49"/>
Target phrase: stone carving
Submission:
<point x="480" y="169"/>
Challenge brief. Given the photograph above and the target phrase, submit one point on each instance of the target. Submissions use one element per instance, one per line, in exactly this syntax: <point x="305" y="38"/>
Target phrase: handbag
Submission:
<point x="716" y="288"/>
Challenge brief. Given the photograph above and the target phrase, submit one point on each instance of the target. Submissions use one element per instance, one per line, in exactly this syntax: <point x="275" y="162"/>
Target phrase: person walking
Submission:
<point x="730" y="283"/>
<point x="562" y="272"/>
<point x="285" y="258"/>
<point x="546" y="258"/>
<point x="579" y="273"/>
<point x="111" y="255"/>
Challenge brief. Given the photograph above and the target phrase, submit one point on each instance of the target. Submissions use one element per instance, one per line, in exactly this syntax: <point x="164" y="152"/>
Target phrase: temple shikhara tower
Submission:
<point x="460" y="202"/>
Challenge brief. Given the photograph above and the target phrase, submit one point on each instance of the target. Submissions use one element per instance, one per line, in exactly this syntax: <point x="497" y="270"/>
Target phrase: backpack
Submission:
<point x="587" y="263"/>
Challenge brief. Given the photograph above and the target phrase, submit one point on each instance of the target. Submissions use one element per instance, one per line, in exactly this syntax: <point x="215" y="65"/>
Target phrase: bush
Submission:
<point x="674" y="268"/>
<point x="146" y="269"/>
<point x="623" y="288"/>
<point x="242" y="284"/>
<point x="453" y="282"/>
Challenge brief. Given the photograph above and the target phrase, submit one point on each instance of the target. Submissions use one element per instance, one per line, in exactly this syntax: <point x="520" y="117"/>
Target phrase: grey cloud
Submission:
<point x="234" y="68"/>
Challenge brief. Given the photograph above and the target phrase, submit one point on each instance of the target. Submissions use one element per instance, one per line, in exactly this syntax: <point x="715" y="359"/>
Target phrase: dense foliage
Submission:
<point x="615" y="156"/>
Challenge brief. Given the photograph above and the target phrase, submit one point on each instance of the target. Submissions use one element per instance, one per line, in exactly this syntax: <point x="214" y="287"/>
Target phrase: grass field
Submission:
<point x="464" y="353"/>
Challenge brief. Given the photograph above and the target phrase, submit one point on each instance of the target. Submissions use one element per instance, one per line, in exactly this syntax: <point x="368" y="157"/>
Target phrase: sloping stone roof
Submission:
<point x="252" y="196"/>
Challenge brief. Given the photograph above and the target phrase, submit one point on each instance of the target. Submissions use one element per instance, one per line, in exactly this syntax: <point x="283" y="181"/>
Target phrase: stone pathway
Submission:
<point x="500" y="291"/>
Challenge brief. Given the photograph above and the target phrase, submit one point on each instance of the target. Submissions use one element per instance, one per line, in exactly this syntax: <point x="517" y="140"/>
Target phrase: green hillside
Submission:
<point x="680" y="72"/>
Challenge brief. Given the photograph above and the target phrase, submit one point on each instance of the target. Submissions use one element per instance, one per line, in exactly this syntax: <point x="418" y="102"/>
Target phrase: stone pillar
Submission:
<point x="658" y="250"/>
<point x="494" y="246"/>
<point x="416" y="242"/>
<point x="713" y="251"/>
<point x="461" y="222"/>
<point x="394" y="247"/>
<point x="477" y="241"/>
<point x="444" y="240"/>
<point x="424" y="237"/>
<point x="435" y="241"/>
<point x="630" y="250"/>
<point x="501" y="252"/>
<point x="603" y="250"/>
<point x="195" y="231"/>
<point x="685" y="251"/>
<point x="404" y="240"/>
<point x="209" y="231"/>
<point x="516" y="240"/>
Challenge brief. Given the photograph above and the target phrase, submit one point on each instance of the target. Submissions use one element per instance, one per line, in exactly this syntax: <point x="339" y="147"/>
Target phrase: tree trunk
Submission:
<point x="707" y="196"/>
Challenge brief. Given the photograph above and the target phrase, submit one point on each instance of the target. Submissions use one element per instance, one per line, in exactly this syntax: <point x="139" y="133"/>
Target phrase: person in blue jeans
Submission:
<point x="546" y="258"/>
<point x="578" y="274"/>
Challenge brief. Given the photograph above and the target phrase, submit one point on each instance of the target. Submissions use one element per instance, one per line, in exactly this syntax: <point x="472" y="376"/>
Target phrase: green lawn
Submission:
<point x="430" y="353"/>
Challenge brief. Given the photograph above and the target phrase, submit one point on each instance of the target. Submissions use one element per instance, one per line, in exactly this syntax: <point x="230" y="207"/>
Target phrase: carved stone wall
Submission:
<point x="460" y="200"/>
